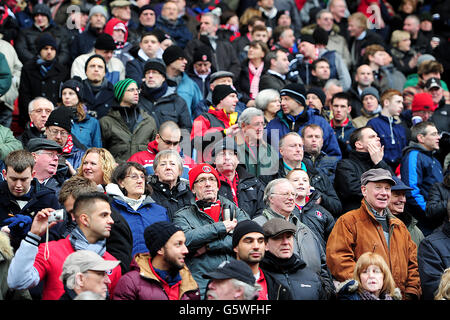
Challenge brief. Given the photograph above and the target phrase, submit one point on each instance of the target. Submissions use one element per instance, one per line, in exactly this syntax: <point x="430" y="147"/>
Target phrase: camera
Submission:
<point x="55" y="216"/>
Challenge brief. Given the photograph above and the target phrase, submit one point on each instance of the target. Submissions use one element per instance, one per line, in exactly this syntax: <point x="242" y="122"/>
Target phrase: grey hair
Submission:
<point x="214" y="17"/>
<point x="268" y="191"/>
<point x="248" y="114"/>
<point x="319" y="14"/>
<point x="32" y="102"/>
<point x="166" y="154"/>
<point x="265" y="97"/>
<point x="251" y="292"/>
<point x="331" y="82"/>
<point x="292" y="133"/>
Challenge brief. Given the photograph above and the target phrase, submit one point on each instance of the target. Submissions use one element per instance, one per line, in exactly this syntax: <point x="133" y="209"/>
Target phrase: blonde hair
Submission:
<point x="107" y="162"/>
<point x="360" y="18"/>
<point x="372" y="258"/>
<point x="399" y="35"/>
<point x="443" y="292"/>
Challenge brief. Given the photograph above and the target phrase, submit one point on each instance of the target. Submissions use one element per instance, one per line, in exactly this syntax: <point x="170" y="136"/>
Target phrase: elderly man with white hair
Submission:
<point x="39" y="110"/>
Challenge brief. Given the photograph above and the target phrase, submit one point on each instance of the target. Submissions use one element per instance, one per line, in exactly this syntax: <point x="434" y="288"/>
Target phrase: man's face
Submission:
<point x="57" y="134"/>
<point x="338" y="8"/>
<point x="251" y="248"/>
<point x="368" y="136"/>
<point x="313" y="140"/>
<point x="377" y="194"/>
<point x="96" y="281"/>
<point x="170" y="11"/>
<point x="314" y="102"/>
<point x="287" y="39"/>
<point x="106" y="54"/>
<point x="254" y="130"/>
<point x="370" y="103"/>
<point x="340" y="109"/>
<point x="147" y="18"/>
<point x="281" y="246"/>
<point x="207" y="26"/>
<point x="41" y="20"/>
<point x="281" y="64"/>
<point x="285" y="20"/>
<point x="290" y="106"/>
<point x="118" y="35"/>
<point x="150" y="45"/>
<point x="397" y="203"/>
<point x="354" y="29"/>
<point x="229" y="102"/>
<point x="98" y="21"/>
<point x="411" y="26"/>
<point x="224" y="80"/>
<point x="202" y="67"/>
<point x="266" y="4"/>
<point x="307" y="49"/>
<point x="325" y="21"/>
<point x="322" y="71"/>
<point x="18" y="183"/>
<point x="222" y="289"/>
<point x="100" y="221"/>
<point x="292" y="148"/>
<point x="168" y="139"/>
<point x="226" y="161"/>
<point x="379" y="58"/>
<point x="179" y="64"/>
<point x="95" y="71"/>
<point x="206" y="187"/>
<point x="175" y="250"/>
<point x="68" y="205"/>
<point x="436" y="94"/>
<point x="431" y="138"/>
<point x="260" y="36"/>
<point x="131" y="95"/>
<point x="395" y="105"/>
<point x="154" y="79"/>
<point x="46" y="163"/>
<point x="40" y="113"/>
<point x="122" y="13"/>
<point x="364" y="76"/>
<point x="48" y="53"/>
<point x="282" y="200"/>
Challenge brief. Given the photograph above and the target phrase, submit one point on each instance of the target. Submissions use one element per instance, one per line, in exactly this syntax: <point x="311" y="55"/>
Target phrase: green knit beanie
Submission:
<point x="121" y="86"/>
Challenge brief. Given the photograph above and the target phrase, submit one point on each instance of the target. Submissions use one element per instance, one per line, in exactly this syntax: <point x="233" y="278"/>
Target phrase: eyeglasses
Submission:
<point x="133" y="90"/>
<point x="171" y="143"/>
<point x="287" y="194"/>
<point x="136" y="177"/>
<point x="202" y="181"/>
<point x="55" y="132"/>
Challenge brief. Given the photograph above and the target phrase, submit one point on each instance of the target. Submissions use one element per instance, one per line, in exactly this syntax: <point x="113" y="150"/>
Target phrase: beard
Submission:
<point x="174" y="265"/>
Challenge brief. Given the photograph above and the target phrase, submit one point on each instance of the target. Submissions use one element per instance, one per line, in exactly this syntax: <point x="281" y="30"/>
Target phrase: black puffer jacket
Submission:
<point x="436" y="209"/>
<point x="303" y="283"/>
<point x="250" y="192"/>
<point x="171" y="199"/>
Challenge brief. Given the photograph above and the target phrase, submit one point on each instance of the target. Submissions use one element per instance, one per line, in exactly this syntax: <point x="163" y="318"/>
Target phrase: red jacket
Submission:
<point x="51" y="269"/>
<point x="142" y="283"/>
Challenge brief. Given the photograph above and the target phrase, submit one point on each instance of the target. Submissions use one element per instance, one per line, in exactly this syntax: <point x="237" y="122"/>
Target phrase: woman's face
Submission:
<point x="255" y="52"/>
<point x="92" y="168"/>
<point x="168" y="170"/>
<point x="69" y="97"/>
<point x="372" y="279"/>
<point x="134" y="183"/>
<point x="274" y="106"/>
<point x="404" y="44"/>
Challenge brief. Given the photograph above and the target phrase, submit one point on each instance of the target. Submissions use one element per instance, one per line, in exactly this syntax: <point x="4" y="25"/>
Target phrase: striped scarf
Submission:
<point x="255" y="75"/>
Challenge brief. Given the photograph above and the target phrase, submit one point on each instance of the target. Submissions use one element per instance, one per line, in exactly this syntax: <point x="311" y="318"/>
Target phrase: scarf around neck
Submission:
<point x="254" y="83"/>
<point x="79" y="242"/>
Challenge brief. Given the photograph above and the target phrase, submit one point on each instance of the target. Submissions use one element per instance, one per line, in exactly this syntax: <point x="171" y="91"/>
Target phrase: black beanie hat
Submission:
<point x="44" y="40"/>
<point x="155" y="64"/>
<point x="319" y="93"/>
<point x="320" y="36"/>
<point x="42" y="8"/>
<point x="105" y="42"/>
<point x="157" y="234"/>
<point x="202" y="54"/>
<point x="172" y="53"/>
<point x="61" y="117"/>
<point x="296" y="91"/>
<point x="220" y="92"/>
<point x="307" y="38"/>
<point x="244" y="227"/>
<point x="75" y="85"/>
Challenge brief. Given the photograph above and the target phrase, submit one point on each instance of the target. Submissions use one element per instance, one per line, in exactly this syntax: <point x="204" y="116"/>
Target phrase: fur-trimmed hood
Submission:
<point x="5" y="246"/>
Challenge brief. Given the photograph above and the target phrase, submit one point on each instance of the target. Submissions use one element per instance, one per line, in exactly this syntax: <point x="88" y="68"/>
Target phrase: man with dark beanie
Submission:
<point x="250" y="247"/>
<point x="218" y="122"/>
<point x="294" y="115"/>
<point x="160" y="274"/>
<point x="127" y="128"/>
<point x="41" y="76"/>
<point x="160" y="100"/>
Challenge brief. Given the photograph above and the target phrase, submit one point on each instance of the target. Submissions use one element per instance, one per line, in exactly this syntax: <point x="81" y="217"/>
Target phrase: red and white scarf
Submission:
<point x="254" y="76"/>
<point x="69" y="145"/>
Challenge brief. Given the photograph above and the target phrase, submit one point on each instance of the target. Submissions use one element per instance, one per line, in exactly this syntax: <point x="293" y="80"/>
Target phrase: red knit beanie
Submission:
<point x="199" y="169"/>
<point x="422" y="102"/>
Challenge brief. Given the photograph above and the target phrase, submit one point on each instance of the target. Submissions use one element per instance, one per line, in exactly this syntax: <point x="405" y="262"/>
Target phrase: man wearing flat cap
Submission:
<point x="281" y="263"/>
<point x="208" y="223"/>
<point x="161" y="273"/>
<point x="294" y="115"/>
<point x="373" y="228"/>
<point x="232" y="280"/>
<point x="23" y="196"/>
